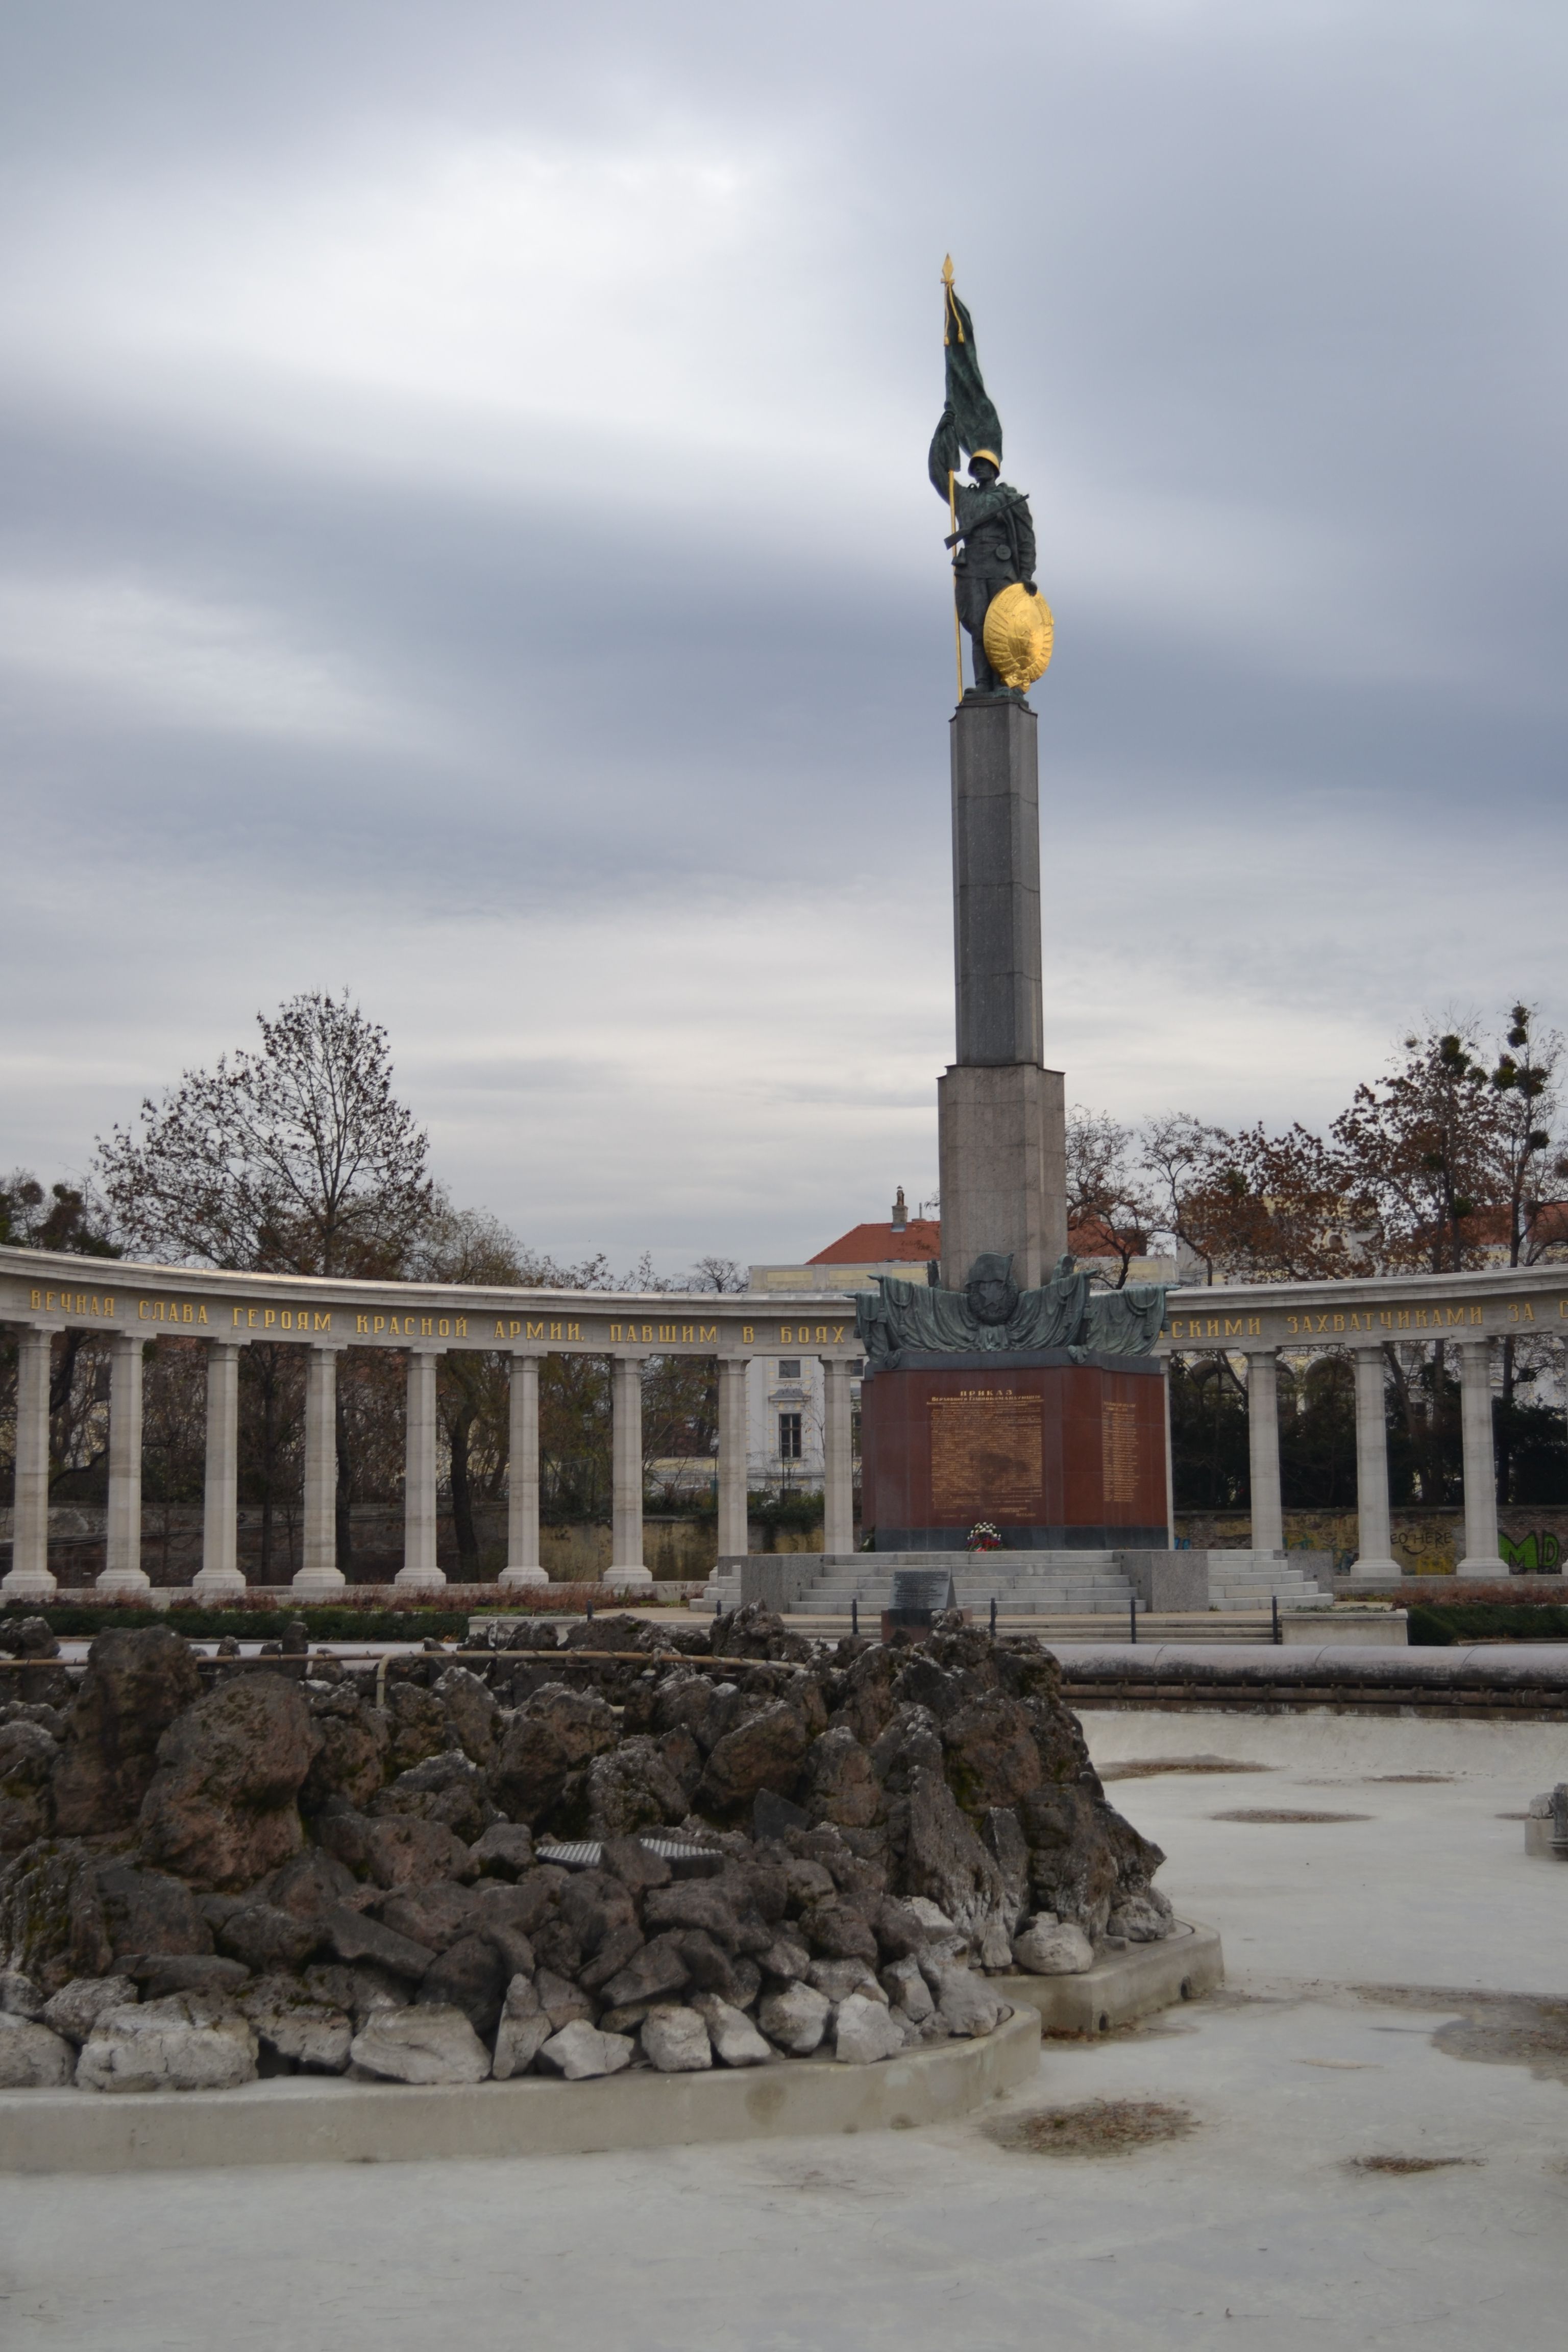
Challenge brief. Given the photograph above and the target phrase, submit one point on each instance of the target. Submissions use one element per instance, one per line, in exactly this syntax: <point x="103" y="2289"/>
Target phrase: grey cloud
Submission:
<point x="501" y="711"/>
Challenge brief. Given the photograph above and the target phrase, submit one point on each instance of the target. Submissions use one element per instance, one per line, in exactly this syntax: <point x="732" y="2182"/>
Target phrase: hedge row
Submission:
<point x="1438" y="1624"/>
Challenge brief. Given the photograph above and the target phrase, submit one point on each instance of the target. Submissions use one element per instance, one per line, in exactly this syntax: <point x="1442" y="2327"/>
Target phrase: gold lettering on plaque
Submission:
<point x="1119" y="1453"/>
<point x="988" y="1449"/>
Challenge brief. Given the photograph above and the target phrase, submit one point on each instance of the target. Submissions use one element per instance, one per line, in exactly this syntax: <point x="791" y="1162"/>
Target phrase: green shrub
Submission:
<point x="1437" y="1624"/>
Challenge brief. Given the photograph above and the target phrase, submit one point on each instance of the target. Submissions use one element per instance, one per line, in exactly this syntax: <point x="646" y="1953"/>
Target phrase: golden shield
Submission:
<point x="1017" y="636"/>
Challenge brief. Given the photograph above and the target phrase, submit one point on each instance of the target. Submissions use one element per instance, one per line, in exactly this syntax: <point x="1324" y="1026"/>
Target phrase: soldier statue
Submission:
<point x="994" y="533"/>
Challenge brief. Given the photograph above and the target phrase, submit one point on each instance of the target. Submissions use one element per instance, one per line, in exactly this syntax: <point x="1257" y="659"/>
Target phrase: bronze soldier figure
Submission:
<point x="993" y="541"/>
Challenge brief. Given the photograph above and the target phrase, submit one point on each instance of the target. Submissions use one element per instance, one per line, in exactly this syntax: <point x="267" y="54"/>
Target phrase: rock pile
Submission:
<point x="563" y="1864"/>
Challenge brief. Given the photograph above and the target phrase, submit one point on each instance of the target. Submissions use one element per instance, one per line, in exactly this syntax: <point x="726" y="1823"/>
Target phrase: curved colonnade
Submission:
<point x="43" y="1293"/>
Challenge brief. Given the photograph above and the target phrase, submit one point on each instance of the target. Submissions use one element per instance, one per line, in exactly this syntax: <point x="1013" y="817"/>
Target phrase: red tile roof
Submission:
<point x="876" y="1244"/>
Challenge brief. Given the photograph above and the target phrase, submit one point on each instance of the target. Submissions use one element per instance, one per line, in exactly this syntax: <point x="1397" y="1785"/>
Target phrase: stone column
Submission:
<point x="124" y="1574"/>
<point x="1000" y="1118"/>
<point x="419" y="1569"/>
<point x="29" y="1578"/>
<point x="522" y="1568"/>
<point x="838" y="1465"/>
<point x="626" y="1572"/>
<point x="1481" y="1462"/>
<point x="320" y="1578"/>
<point x="734" y="1454"/>
<point x="1263" y="1448"/>
<point x="1374" y="1558"/>
<point x="218" y="1578"/>
<point x="1170" y="1463"/>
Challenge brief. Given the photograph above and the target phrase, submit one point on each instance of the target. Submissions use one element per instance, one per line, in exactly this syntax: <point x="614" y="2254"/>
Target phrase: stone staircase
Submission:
<point x="1022" y="1583"/>
<point x="1251" y="1579"/>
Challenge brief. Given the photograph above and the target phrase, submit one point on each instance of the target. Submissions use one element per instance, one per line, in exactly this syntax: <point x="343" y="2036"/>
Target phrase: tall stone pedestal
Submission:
<point x="1056" y="1454"/>
<point x="1000" y="1113"/>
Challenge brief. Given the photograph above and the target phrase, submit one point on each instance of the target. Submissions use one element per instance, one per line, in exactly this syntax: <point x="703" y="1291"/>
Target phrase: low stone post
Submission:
<point x="522" y="1566"/>
<point x="320" y="1578"/>
<point x="1373" y="1557"/>
<point x="124" y="1575"/>
<point x="627" y="1573"/>
<point x="29" y="1577"/>
<point x="219" y="1577"/>
<point x="419" y="1571"/>
<point x="1481" y="1557"/>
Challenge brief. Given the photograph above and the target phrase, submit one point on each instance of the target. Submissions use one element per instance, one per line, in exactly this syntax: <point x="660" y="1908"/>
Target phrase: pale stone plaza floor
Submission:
<point x="1264" y="2224"/>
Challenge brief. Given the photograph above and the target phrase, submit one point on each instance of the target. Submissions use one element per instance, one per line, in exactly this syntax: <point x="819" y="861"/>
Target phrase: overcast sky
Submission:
<point x="465" y="537"/>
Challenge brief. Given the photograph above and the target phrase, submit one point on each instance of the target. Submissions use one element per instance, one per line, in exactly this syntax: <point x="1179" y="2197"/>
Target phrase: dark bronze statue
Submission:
<point x="993" y="532"/>
<point x="992" y="1314"/>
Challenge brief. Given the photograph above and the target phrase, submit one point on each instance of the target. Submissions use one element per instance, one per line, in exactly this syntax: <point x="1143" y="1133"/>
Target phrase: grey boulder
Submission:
<point x="31" y="2057"/>
<point x="524" y="2030"/>
<point x="735" y="2039"/>
<point x="1053" y="1949"/>
<point x="796" y="2019"/>
<point x="420" y="2045"/>
<point x="675" y="2040"/>
<point x="865" y="2030"/>
<point x="1142" y="1918"/>
<point x="906" y="1988"/>
<point x="77" y="2007"/>
<point x="966" y="2005"/>
<point x="292" y="2027"/>
<point x="580" y="2051"/>
<point x="191" y="2041"/>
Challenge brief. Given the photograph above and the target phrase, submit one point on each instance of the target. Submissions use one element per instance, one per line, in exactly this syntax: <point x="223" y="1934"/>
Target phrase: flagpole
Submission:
<point x="951" y="499"/>
<point x="957" y="624"/>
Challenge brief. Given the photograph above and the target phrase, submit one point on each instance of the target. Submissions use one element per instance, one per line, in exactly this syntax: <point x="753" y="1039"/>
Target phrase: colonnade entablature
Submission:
<point x="42" y="1293"/>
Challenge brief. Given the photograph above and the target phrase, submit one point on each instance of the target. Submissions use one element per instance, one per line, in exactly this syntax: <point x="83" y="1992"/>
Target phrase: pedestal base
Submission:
<point x="420" y="1579"/>
<point x="27" y="1584"/>
<point x="211" y="1587"/>
<point x="628" y="1580"/>
<point x="517" y="1579"/>
<point x="1056" y="1454"/>
<point x="1479" y="1564"/>
<point x="123" y="1584"/>
<point x="319" y="1585"/>
<point x="1378" y="1572"/>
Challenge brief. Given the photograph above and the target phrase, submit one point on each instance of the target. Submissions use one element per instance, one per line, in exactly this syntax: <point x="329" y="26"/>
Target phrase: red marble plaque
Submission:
<point x="1051" y="1453"/>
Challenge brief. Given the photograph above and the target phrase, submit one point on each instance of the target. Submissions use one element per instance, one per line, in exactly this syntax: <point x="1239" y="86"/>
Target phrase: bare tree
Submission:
<point x="720" y="1274"/>
<point x="298" y="1159"/>
<point x="1111" y="1206"/>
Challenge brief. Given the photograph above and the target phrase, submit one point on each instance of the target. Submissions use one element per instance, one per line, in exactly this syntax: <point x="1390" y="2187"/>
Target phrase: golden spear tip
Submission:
<point x="947" y="270"/>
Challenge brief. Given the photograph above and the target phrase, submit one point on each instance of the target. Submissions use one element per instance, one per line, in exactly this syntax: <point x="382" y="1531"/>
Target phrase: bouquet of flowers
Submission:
<point x="983" y="1537"/>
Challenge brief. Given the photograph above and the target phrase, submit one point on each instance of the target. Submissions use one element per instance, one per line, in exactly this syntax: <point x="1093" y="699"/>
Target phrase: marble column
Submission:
<point x="1263" y="1448"/>
<point x="1481" y="1462"/>
<point x="838" y="1464"/>
<point x="124" y="1575"/>
<point x="419" y="1569"/>
<point x="218" y="1578"/>
<point x="29" y="1578"/>
<point x="734" y="1454"/>
<point x="522" y="1568"/>
<point x="626" y="1572"/>
<point x="1373" y="1557"/>
<point x="320" y="1578"/>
